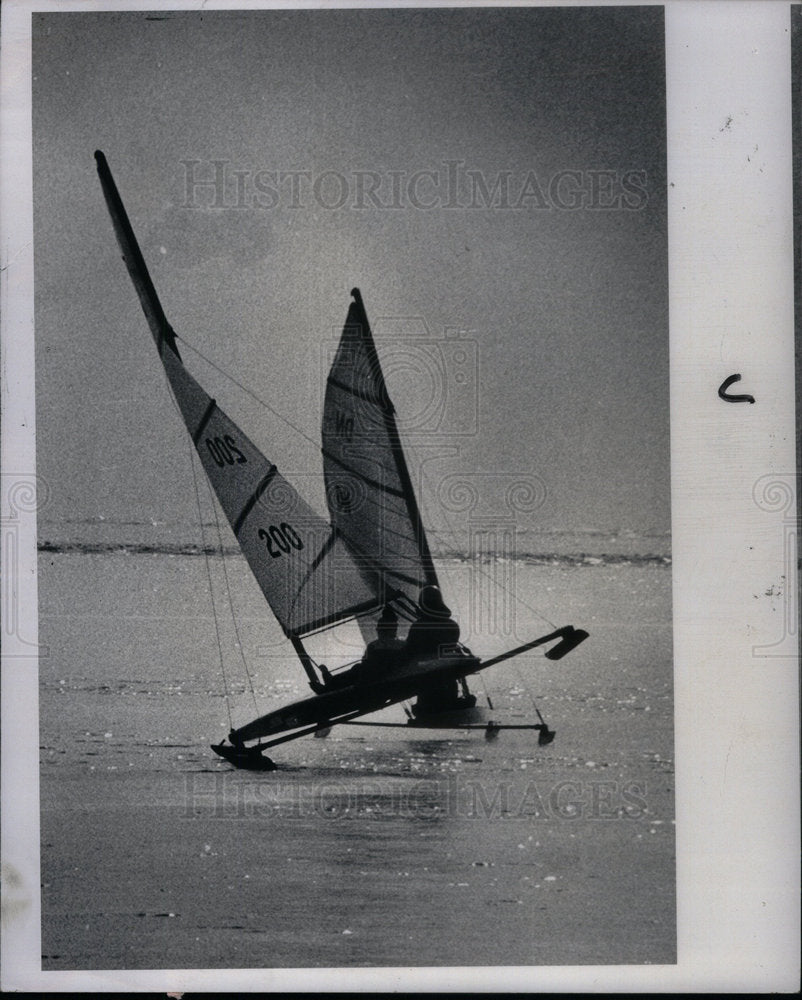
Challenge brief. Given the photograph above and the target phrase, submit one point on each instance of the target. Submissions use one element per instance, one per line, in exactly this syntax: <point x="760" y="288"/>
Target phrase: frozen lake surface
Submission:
<point x="372" y="847"/>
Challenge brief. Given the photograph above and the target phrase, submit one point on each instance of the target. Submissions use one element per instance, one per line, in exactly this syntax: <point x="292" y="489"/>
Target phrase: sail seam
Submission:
<point x="361" y="475"/>
<point x="384" y="500"/>
<point x="264" y="483"/>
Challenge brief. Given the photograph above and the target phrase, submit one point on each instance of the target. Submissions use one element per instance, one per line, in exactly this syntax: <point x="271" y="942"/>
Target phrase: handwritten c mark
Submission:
<point x="734" y="397"/>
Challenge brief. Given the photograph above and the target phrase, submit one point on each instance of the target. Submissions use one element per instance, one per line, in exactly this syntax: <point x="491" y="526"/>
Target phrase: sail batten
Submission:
<point x="365" y="478"/>
<point x="265" y="482"/>
<point x="204" y="421"/>
<point x="344" y="614"/>
<point x="389" y="531"/>
<point x="361" y="394"/>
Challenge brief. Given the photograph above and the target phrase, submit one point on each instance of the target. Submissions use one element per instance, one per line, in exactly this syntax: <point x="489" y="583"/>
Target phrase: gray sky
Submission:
<point x="561" y="378"/>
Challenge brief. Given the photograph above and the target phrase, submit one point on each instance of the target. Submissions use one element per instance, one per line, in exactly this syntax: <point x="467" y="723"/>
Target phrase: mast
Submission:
<point x="388" y="413"/>
<point x="134" y="261"/>
<point x="306" y="660"/>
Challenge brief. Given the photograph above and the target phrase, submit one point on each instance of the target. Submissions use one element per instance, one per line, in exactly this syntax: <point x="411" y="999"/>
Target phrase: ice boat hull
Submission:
<point x="387" y="689"/>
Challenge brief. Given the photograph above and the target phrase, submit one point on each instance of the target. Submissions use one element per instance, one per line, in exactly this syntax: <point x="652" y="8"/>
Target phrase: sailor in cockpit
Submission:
<point x="434" y="628"/>
<point x="386" y="651"/>
<point x="434" y="633"/>
<point x="382" y="655"/>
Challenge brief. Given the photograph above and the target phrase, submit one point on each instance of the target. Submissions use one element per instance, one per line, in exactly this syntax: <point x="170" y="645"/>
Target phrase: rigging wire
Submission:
<point x="211" y="587"/>
<point x="515" y="597"/>
<point x="249" y="392"/>
<point x="228" y="592"/>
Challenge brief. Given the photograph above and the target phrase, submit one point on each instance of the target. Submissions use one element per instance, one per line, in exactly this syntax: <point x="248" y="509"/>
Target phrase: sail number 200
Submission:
<point x="280" y="538"/>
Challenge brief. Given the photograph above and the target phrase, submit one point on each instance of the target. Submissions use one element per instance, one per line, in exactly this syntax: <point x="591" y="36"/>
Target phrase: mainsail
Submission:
<point x="370" y="496"/>
<point x="303" y="567"/>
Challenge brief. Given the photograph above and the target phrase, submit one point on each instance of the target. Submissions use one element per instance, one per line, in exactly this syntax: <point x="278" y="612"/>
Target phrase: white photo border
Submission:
<point x="736" y="706"/>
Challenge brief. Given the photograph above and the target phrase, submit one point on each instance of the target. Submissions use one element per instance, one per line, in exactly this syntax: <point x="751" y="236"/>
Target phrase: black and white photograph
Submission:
<point x="357" y="448"/>
<point x="467" y="456"/>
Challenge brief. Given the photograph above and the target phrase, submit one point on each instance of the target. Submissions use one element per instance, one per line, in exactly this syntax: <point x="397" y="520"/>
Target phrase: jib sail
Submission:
<point x="370" y="496"/>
